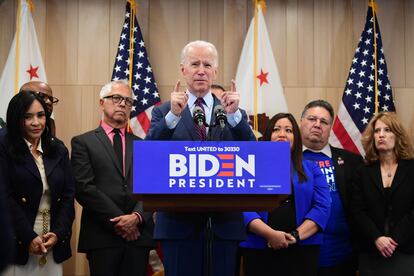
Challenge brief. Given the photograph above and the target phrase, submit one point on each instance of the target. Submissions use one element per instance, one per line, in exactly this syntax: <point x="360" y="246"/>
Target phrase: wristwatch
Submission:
<point x="295" y="234"/>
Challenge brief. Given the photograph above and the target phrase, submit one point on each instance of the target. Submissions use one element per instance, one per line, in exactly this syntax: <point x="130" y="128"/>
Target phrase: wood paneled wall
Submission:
<point x="313" y="43"/>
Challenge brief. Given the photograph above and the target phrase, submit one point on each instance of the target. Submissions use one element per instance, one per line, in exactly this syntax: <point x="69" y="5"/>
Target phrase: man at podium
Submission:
<point x="191" y="115"/>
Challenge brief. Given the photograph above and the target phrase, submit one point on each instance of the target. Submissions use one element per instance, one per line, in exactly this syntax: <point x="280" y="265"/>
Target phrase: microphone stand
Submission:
<point x="209" y="237"/>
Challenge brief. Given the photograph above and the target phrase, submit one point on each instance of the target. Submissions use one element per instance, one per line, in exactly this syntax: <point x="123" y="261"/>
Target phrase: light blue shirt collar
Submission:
<point x="208" y="100"/>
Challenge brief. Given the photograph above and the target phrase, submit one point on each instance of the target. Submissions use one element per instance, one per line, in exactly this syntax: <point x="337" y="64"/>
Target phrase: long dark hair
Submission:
<point x="18" y="106"/>
<point x="296" y="151"/>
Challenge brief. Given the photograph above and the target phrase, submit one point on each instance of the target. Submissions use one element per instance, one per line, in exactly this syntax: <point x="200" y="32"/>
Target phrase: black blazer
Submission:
<point x="6" y="241"/>
<point x="346" y="164"/>
<point x="369" y="206"/>
<point x="104" y="192"/>
<point x="24" y="190"/>
<point x="228" y="225"/>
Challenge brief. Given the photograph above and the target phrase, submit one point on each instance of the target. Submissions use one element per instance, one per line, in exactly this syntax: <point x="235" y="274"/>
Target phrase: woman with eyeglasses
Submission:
<point x="39" y="188"/>
<point x="383" y="199"/>
<point x="286" y="240"/>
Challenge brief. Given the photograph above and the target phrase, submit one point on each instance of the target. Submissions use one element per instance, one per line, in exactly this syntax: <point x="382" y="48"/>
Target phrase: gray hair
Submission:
<point x="107" y="88"/>
<point x="199" y="44"/>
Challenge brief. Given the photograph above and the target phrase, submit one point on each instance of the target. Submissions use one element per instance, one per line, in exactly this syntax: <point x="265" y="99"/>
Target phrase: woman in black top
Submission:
<point x="383" y="199"/>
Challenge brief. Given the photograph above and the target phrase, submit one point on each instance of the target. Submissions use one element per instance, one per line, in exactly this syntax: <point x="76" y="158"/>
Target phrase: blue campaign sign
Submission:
<point x="216" y="167"/>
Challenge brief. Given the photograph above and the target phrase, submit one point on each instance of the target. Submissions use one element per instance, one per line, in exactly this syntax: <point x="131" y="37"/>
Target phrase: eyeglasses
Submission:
<point x="314" y="119"/>
<point x="47" y="98"/>
<point x="116" y="99"/>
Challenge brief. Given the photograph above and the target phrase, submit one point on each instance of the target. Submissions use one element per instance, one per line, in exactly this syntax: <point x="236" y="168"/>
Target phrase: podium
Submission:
<point x="216" y="176"/>
<point x="210" y="202"/>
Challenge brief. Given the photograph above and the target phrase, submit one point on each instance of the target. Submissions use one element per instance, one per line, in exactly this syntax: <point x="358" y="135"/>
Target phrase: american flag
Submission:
<point x="359" y="98"/>
<point x="131" y="63"/>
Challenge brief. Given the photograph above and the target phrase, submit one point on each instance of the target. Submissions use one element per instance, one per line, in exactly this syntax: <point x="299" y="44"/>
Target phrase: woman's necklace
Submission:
<point x="389" y="171"/>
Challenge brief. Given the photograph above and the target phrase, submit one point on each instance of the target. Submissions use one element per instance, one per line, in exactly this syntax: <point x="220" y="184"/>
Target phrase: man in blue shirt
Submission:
<point x="337" y="256"/>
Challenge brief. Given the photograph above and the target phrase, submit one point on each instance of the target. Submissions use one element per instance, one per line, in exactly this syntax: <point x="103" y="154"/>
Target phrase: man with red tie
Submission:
<point x="182" y="235"/>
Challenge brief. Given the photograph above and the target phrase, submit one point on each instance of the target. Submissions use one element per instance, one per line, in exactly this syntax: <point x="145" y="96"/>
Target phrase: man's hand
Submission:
<point x="386" y="246"/>
<point x="130" y="235"/>
<point x="36" y="246"/>
<point x="125" y="222"/>
<point x="178" y="100"/>
<point x="231" y="99"/>
<point x="126" y="226"/>
<point x="133" y="235"/>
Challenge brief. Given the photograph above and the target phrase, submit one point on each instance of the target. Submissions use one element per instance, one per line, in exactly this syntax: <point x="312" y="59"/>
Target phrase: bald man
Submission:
<point x="46" y="93"/>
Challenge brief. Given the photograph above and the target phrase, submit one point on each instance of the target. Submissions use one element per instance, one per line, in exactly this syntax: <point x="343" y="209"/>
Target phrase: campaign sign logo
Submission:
<point x="216" y="167"/>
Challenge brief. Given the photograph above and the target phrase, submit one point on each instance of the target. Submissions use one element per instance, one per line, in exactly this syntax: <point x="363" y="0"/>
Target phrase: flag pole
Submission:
<point x="372" y="4"/>
<point x="255" y="119"/>
<point x="17" y="37"/>
<point x="133" y="5"/>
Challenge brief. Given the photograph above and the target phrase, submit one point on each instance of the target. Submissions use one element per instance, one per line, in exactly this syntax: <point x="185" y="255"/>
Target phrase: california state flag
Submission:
<point x="24" y="62"/>
<point x="264" y="82"/>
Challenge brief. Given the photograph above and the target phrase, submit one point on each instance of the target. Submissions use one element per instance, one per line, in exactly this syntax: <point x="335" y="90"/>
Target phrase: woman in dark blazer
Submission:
<point x="286" y="240"/>
<point x="39" y="188"/>
<point x="6" y="248"/>
<point x="383" y="199"/>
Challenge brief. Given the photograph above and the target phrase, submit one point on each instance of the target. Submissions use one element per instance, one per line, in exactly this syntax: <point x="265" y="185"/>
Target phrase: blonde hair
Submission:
<point x="403" y="148"/>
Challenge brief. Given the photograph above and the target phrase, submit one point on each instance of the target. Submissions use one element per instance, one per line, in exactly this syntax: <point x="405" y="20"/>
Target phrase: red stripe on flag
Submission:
<point x="144" y="121"/>
<point x="343" y="136"/>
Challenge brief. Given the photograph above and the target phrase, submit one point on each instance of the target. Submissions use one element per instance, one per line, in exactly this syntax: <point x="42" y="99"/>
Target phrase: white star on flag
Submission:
<point x="141" y="75"/>
<point x="358" y="106"/>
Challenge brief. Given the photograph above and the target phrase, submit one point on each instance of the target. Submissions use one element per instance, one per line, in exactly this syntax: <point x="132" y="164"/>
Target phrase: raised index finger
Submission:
<point x="233" y="86"/>
<point x="177" y="86"/>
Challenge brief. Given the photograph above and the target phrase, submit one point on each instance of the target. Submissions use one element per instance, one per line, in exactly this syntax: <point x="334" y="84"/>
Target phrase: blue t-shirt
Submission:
<point x="336" y="246"/>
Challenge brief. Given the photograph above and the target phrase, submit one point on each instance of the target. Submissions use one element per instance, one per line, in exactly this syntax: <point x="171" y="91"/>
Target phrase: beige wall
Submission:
<point x="313" y="42"/>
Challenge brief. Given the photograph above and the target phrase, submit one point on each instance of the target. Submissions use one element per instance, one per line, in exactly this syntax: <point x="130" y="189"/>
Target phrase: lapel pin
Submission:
<point x="340" y="161"/>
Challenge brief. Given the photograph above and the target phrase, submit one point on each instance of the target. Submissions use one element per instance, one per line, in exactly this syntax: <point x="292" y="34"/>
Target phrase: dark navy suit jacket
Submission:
<point x="24" y="190"/>
<point x="229" y="225"/>
<point x="6" y="248"/>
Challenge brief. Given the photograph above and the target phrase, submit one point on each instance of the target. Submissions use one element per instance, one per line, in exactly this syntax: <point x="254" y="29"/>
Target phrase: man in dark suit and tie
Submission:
<point x="337" y="256"/>
<point x="115" y="233"/>
<point x="182" y="235"/>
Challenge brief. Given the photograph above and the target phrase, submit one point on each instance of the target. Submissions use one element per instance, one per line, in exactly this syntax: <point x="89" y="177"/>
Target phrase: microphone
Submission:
<point x="221" y="118"/>
<point x="199" y="116"/>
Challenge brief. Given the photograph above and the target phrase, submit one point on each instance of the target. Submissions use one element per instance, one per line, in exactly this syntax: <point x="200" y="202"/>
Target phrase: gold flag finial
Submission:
<point x="373" y="4"/>
<point x="31" y="5"/>
<point x="133" y="4"/>
<point x="262" y="4"/>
